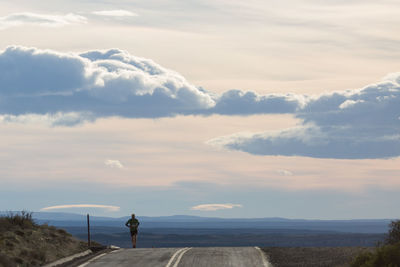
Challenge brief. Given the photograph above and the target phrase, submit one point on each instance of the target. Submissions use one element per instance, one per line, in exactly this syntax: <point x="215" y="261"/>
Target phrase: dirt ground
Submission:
<point x="312" y="256"/>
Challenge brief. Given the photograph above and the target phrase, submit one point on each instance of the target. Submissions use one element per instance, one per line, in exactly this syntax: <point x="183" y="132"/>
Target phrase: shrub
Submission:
<point x="62" y="231"/>
<point x="362" y="259"/>
<point x="394" y="233"/>
<point x="19" y="232"/>
<point x="6" y="260"/>
<point x="388" y="255"/>
<point x="39" y="254"/>
<point x="18" y="260"/>
<point x="385" y="255"/>
<point x="22" y="219"/>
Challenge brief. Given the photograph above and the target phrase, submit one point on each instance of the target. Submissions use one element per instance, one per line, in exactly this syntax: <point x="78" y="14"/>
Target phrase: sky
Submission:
<point x="218" y="108"/>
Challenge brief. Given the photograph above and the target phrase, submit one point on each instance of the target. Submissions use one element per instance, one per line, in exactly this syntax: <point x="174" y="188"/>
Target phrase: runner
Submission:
<point x="133" y="225"/>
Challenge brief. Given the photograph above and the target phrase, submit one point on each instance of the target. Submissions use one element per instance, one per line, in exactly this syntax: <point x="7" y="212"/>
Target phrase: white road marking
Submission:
<point x="264" y="260"/>
<point x="93" y="259"/>
<point x="173" y="257"/>
<point x="180" y="256"/>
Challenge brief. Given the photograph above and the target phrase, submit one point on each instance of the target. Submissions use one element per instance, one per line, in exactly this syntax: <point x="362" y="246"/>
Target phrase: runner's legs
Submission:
<point x="134" y="241"/>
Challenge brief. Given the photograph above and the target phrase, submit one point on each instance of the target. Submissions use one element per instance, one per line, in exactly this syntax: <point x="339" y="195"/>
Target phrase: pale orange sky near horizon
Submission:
<point x="160" y="152"/>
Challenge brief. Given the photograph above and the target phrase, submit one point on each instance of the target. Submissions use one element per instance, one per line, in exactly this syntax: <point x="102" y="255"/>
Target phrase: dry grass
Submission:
<point x="312" y="256"/>
<point x="24" y="243"/>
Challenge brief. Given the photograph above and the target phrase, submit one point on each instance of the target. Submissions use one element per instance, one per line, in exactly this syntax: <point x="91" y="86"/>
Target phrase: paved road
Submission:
<point x="182" y="257"/>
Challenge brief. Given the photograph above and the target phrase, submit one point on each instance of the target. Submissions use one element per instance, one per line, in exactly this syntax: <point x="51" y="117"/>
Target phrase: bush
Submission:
<point x="6" y="260"/>
<point x="388" y="255"/>
<point x="362" y="259"/>
<point x="22" y="219"/>
<point x="62" y="231"/>
<point x="39" y="254"/>
<point x="394" y="233"/>
<point x="385" y="255"/>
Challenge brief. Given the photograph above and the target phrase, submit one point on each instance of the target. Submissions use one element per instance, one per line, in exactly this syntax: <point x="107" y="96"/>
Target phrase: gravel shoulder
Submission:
<point x="312" y="256"/>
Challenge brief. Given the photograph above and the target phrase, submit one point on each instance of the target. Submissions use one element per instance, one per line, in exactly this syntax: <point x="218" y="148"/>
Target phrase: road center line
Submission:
<point x="180" y="256"/>
<point x="263" y="259"/>
<point x="173" y="256"/>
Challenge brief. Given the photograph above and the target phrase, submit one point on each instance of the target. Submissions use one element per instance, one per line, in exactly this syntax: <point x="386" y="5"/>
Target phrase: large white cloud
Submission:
<point x="101" y="83"/>
<point x="68" y="88"/>
<point x="353" y="124"/>
<point x="113" y="83"/>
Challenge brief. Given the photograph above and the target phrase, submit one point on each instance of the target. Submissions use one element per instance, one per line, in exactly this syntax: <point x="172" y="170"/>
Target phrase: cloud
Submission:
<point x="104" y="83"/>
<point x="70" y="88"/>
<point x="106" y="207"/>
<point x="352" y="124"/>
<point x="27" y="18"/>
<point x="115" y="164"/>
<point x="115" y="13"/>
<point x="100" y="83"/>
<point x="56" y="119"/>
<point x="214" y="207"/>
<point x="284" y="172"/>
<point x="349" y="103"/>
<point x="237" y="102"/>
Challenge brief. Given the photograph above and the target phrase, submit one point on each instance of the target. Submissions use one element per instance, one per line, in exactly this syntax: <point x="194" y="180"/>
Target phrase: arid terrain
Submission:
<point x="313" y="256"/>
<point x="24" y="243"/>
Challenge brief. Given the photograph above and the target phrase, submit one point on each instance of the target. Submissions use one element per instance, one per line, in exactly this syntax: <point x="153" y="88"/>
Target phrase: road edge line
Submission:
<point x="264" y="258"/>
<point x="68" y="259"/>
<point x="180" y="257"/>
<point x="92" y="259"/>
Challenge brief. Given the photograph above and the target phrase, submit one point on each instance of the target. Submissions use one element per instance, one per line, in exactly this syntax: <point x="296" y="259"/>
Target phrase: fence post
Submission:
<point x="88" y="230"/>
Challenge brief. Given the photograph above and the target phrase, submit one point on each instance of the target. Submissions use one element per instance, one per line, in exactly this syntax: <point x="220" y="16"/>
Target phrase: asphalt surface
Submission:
<point x="182" y="257"/>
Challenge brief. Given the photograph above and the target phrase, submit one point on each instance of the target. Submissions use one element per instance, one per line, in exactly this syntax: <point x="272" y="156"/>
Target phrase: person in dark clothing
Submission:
<point x="133" y="225"/>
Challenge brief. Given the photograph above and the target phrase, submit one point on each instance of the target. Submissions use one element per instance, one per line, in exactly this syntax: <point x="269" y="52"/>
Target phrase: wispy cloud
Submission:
<point x="115" y="164"/>
<point x="284" y="172"/>
<point x="214" y="207"/>
<point x="27" y="18"/>
<point x="115" y="13"/>
<point x="56" y="119"/>
<point x="106" y="207"/>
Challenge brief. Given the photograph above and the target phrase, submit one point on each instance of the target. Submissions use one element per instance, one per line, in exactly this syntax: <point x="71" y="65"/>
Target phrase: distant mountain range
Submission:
<point x="195" y="222"/>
